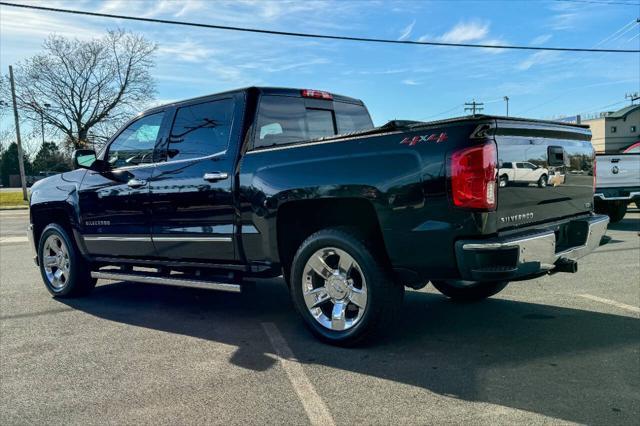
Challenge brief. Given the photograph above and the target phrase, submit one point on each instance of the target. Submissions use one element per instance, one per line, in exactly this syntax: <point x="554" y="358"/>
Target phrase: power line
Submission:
<point x="600" y="2"/>
<point x="312" y="35"/>
<point x="444" y="112"/>
<point x="473" y="107"/>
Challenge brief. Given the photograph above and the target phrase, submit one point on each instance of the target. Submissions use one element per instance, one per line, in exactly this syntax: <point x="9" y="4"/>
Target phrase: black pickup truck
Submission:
<point x="263" y="182"/>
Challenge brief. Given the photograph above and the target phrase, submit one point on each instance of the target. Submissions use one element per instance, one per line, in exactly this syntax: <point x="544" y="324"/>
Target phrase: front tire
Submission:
<point x="542" y="182"/>
<point x="469" y="291"/>
<point x="64" y="272"/>
<point x="341" y="288"/>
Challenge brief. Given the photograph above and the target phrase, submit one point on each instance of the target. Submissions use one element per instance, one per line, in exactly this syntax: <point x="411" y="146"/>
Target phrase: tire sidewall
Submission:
<point x="543" y="181"/>
<point x="373" y="274"/>
<point x="74" y="260"/>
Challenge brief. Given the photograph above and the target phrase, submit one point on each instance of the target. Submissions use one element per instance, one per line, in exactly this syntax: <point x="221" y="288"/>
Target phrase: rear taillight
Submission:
<point x="473" y="177"/>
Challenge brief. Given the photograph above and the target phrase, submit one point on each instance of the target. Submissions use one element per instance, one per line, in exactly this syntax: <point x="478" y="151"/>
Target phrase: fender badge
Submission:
<point x="434" y="137"/>
<point x="97" y="222"/>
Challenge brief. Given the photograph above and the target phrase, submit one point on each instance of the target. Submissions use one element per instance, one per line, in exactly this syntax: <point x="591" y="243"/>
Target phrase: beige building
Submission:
<point x="614" y="131"/>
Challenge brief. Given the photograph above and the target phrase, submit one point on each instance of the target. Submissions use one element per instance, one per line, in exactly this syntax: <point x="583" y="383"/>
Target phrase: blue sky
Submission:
<point x="407" y="82"/>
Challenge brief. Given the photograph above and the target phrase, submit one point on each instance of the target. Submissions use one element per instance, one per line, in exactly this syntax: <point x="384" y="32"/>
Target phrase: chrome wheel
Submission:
<point x="55" y="260"/>
<point x="334" y="289"/>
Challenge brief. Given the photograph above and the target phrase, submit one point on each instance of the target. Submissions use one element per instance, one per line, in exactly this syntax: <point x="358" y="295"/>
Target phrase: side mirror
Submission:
<point x="84" y="158"/>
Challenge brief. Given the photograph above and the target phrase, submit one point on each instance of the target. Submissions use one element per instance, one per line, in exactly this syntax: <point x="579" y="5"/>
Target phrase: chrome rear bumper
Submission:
<point x="530" y="254"/>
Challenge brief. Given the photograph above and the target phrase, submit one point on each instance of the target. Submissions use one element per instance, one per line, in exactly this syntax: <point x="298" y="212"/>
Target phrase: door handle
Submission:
<point x="215" y="176"/>
<point x="136" y="183"/>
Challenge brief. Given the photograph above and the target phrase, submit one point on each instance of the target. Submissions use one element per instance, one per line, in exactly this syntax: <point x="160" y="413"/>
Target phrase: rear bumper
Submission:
<point x="532" y="253"/>
<point x="617" y="194"/>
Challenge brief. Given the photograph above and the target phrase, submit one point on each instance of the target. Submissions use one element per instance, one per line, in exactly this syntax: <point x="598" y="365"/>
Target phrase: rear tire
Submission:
<point x="504" y="181"/>
<point x="542" y="182"/>
<point x="469" y="291"/>
<point x="64" y="271"/>
<point x="342" y="288"/>
<point x="616" y="210"/>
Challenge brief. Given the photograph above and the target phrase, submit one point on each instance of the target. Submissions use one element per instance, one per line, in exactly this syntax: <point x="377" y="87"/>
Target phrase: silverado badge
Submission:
<point x="517" y="217"/>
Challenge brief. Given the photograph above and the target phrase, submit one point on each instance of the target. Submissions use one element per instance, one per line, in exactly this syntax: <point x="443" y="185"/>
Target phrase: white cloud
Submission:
<point x="465" y="32"/>
<point x="541" y="39"/>
<point x="538" y="58"/>
<point x="187" y="51"/>
<point x="406" y="32"/>
<point x="410" y="82"/>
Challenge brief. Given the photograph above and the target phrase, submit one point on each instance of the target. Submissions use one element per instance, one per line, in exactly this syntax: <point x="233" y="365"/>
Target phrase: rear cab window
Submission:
<point x="288" y="119"/>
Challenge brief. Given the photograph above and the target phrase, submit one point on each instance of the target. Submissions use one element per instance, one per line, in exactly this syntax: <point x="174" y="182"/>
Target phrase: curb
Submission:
<point x="14" y="208"/>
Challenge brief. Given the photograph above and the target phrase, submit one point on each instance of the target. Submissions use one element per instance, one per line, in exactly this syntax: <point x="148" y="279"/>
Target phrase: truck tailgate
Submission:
<point x="618" y="170"/>
<point x="545" y="171"/>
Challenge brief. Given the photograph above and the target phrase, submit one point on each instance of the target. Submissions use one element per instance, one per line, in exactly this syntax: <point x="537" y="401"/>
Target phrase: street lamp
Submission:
<point x="506" y="99"/>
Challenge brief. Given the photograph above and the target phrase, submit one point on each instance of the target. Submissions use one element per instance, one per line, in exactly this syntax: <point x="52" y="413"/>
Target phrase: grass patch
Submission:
<point x="12" y="199"/>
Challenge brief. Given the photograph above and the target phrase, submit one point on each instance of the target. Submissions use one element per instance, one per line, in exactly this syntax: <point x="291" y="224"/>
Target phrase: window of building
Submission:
<point x="135" y="144"/>
<point x="200" y="130"/>
<point x="614" y="129"/>
<point x="633" y="129"/>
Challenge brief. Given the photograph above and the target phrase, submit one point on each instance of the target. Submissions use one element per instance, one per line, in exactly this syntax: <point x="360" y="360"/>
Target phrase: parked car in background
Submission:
<point x="271" y="181"/>
<point x="618" y="182"/>
<point x="522" y="173"/>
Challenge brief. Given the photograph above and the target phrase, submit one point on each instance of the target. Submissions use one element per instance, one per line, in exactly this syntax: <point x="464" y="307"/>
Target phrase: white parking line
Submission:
<point x="316" y="410"/>
<point x="629" y="308"/>
<point x="13" y="240"/>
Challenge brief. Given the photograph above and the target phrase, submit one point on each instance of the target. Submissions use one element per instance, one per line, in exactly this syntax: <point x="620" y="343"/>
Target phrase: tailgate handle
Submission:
<point x="555" y="155"/>
<point x="615" y="160"/>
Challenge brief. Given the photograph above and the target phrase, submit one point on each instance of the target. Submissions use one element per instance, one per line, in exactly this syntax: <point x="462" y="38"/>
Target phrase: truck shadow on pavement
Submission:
<point x="626" y="224"/>
<point x="564" y="363"/>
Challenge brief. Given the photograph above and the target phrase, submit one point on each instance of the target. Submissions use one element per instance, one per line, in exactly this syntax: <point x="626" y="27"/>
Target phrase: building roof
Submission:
<point x="622" y="113"/>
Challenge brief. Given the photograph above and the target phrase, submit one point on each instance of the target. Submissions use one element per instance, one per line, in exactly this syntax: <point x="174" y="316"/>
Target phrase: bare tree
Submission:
<point x="80" y="86"/>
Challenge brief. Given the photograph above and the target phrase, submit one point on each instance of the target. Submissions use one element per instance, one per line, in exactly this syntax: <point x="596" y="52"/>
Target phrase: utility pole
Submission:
<point x="473" y="107"/>
<point x="23" y="178"/>
<point x="44" y="106"/>
<point x="632" y="97"/>
<point x="506" y="99"/>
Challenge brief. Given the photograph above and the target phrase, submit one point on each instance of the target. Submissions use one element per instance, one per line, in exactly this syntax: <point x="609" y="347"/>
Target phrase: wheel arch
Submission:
<point x="60" y="213"/>
<point x="296" y="220"/>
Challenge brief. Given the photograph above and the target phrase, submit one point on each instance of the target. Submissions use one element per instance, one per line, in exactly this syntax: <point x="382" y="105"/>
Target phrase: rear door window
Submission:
<point x="200" y="130"/>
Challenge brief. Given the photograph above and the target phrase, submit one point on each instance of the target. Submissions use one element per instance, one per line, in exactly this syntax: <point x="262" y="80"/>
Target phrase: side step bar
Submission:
<point x="179" y="282"/>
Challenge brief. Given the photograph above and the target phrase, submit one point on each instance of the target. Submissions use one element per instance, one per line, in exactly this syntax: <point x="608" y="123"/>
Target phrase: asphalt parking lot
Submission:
<point x="558" y="349"/>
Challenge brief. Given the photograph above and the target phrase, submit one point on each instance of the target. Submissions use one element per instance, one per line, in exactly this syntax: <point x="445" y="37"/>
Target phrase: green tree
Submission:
<point x="50" y="159"/>
<point x="9" y="163"/>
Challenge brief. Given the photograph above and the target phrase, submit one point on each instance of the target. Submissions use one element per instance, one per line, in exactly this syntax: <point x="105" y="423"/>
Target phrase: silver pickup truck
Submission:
<point x="617" y="182"/>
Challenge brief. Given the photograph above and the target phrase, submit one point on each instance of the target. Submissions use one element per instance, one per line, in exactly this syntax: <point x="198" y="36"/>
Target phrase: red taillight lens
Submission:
<point x="473" y="177"/>
<point x="306" y="93"/>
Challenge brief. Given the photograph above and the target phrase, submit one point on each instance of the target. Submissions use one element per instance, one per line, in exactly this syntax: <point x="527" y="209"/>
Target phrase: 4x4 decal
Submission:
<point x="434" y="137"/>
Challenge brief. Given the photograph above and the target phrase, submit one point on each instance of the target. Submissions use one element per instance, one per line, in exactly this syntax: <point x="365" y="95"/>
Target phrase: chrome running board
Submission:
<point x="179" y="282"/>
